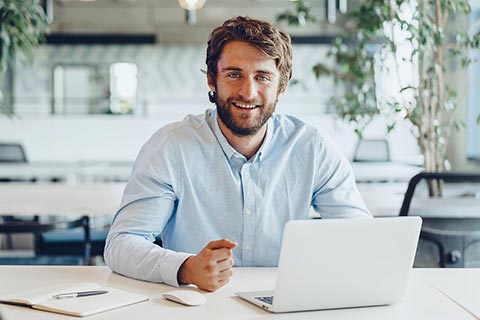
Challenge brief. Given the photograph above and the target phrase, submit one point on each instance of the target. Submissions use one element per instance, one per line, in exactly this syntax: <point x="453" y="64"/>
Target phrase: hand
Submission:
<point x="211" y="268"/>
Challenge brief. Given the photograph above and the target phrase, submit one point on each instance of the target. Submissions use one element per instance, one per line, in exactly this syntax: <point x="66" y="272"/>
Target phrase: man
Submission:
<point x="235" y="172"/>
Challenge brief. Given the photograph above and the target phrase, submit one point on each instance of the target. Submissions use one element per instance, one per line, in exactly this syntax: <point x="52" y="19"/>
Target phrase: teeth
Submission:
<point x="248" y="106"/>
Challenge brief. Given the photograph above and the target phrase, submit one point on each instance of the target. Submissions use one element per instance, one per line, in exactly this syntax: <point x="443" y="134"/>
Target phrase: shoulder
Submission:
<point x="293" y="127"/>
<point x="190" y="127"/>
<point x="291" y="132"/>
<point x="191" y="124"/>
<point x="193" y="130"/>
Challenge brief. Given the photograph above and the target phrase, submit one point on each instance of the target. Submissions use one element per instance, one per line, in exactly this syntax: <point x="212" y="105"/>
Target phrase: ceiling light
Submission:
<point x="191" y="4"/>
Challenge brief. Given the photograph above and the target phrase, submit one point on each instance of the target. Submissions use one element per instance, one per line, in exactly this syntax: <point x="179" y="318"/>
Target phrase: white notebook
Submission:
<point x="43" y="299"/>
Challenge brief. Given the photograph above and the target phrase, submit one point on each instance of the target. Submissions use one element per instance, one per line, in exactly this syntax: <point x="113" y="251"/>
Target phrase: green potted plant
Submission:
<point x="22" y="26"/>
<point x="377" y="31"/>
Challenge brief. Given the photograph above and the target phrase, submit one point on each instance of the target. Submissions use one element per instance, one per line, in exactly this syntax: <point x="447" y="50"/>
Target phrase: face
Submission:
<point x="246" y="88"/>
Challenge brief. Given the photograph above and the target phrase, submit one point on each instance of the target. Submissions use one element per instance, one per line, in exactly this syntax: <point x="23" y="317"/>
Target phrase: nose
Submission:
<point x="248" y="89"/>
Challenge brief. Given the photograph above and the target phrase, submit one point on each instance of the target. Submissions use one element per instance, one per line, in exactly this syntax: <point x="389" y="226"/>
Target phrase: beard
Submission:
<point x="246" y="124"/>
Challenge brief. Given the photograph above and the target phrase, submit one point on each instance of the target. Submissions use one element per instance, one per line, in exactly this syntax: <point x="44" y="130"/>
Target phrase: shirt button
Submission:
<point x="248" y="212"/>
<point x="247" y="248"/>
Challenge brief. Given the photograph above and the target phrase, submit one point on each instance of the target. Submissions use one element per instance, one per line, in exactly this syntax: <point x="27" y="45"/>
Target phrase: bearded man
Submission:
<point x="218" y="188"/>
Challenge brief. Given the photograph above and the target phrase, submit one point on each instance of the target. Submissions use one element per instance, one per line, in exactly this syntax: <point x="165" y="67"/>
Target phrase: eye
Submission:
<point x="234" y="75"/>
<point x="263" y="78"/>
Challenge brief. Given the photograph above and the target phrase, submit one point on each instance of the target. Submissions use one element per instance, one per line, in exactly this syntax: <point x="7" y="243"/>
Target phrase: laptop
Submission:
<point x="341" y="263"/>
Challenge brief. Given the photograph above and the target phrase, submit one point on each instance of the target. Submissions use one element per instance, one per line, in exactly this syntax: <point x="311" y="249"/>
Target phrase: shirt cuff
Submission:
<point x="170" y="275"/>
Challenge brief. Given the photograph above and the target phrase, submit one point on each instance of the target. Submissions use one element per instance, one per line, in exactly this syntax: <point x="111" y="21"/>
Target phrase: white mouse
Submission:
<point x="186" y="297"/>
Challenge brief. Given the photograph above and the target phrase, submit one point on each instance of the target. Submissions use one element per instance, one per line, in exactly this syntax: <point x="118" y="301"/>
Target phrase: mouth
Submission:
<point x="245" y="106"/>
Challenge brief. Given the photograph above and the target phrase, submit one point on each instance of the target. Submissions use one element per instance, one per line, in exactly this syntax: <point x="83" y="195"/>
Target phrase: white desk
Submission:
<point x="96" y="199"/>
<point x="423" y="301"/>
<point x="461" y="285"/>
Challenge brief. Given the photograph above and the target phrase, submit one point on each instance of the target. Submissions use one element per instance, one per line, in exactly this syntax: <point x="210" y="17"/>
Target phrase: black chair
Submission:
<point x="451" y="236"/>
<point x="72" y="242"/>
<point x="10" y="225"/>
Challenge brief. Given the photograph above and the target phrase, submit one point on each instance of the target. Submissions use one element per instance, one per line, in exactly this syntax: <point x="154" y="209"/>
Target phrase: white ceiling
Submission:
<point x="166" y="20"/>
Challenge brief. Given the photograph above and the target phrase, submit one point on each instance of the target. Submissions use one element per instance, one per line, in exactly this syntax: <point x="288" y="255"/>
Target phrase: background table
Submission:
<point x="60" y="199"/>
<point x="386" y="171"/>
<point x="385" y="199"/>
<point x="423" y="301"/>
<point x="70" y="172"/>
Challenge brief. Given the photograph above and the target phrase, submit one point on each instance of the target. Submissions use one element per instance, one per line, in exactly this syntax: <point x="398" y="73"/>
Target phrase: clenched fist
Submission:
<point x="211" y="268"/>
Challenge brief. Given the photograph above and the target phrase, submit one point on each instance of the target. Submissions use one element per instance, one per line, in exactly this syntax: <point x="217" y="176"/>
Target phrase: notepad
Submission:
<point x="42" y="299"/>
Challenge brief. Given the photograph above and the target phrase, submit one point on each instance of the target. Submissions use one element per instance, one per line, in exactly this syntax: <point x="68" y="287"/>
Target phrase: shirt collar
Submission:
<point x="229" y="150"/>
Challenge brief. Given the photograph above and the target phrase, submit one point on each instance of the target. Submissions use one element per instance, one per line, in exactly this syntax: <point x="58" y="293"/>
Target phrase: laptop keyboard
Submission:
<point x="268" y="299"/>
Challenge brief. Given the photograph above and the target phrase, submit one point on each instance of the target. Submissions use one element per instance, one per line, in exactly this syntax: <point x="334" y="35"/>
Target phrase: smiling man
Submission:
<point x="218" y="188"/>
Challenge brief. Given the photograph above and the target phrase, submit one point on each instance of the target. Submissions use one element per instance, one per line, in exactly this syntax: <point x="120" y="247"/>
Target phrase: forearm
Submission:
<point x="136" y="257"/>
<point x="130" y="249"/>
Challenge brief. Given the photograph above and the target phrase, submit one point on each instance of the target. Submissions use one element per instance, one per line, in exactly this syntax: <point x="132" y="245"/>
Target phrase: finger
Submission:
<point x="221" y="283"/>
<point x="225" y="264"/>
<point x="227" y="274"/>
<point x="223" y="243"/>
<point x="218" y="255"/>
<point x="213" y="257"/>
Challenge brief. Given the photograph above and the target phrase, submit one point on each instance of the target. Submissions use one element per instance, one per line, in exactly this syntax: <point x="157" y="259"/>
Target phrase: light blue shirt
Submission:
<point x="190" y="186"/>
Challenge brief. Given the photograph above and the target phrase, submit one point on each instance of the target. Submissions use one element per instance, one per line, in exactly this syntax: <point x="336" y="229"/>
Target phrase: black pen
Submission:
<point x="79" y="294"/>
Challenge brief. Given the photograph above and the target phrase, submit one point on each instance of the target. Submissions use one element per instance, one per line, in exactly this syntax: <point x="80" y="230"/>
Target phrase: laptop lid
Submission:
<point x="340" y="263"/>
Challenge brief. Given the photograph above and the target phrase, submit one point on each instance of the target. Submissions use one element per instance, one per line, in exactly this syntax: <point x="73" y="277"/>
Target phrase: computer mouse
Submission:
<point x="186" y="297"/>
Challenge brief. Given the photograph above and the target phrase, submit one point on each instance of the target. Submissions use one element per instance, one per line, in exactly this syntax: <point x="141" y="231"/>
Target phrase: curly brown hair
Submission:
<point x="259" y="34"/>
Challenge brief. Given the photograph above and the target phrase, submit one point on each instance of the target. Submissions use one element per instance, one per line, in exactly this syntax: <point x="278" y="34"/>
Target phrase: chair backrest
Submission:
<point x="445" y="176"/>
<point x="369" y="150"/>
<point x="12" y="152"/>
<point x="11" y="225"/>
<point x="451" y="236"/>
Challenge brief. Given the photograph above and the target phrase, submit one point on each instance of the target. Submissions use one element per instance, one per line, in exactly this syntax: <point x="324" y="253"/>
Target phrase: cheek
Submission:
<point x="270" y="94"/>
<point x="224" y="88"/>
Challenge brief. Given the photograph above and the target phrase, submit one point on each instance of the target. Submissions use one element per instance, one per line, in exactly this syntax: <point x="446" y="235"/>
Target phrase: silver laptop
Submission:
<point x="341" y="263"/>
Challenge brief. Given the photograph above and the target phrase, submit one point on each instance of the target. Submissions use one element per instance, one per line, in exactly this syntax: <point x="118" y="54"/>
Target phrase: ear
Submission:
<point x="211" y="85"/>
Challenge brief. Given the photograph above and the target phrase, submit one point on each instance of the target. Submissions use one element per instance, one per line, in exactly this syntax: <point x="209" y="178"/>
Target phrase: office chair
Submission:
<point x="61" y="242"/>
<point x="452" y="237"/>
<point x="12" y="152"/>
<point x="372" y="150"/>
<point x="11" y="225"/>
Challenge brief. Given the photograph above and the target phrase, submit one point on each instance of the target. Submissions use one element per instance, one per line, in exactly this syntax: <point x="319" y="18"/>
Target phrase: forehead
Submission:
<point x="241" y="55"/>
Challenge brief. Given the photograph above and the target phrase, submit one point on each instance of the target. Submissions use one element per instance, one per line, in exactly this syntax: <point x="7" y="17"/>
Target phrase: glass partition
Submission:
<point x="95" y="88"/>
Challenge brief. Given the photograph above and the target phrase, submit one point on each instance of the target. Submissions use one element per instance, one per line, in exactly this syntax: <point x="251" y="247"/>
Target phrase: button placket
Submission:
<point x="248" y="217"/>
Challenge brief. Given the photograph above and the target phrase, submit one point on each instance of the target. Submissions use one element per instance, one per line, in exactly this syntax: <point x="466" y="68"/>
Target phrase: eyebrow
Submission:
<point x="226" y="69"/>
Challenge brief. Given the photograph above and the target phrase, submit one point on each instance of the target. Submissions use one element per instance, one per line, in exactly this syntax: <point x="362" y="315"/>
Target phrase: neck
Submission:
<point x="246" y="145"/>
